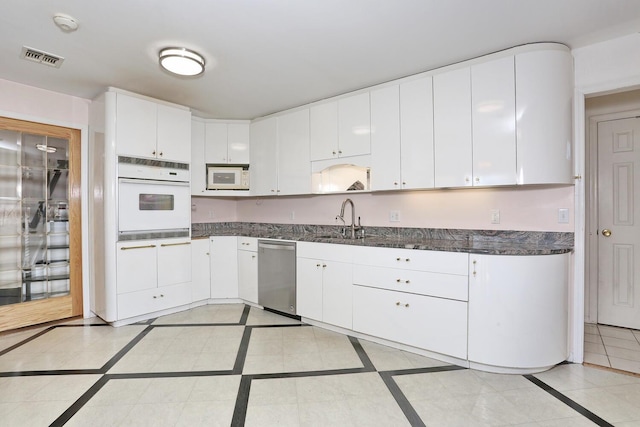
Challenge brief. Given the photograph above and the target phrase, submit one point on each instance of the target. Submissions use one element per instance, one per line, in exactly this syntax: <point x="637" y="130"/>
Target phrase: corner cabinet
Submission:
<point x="518" y="312"/>
<point x="149" y="129"/>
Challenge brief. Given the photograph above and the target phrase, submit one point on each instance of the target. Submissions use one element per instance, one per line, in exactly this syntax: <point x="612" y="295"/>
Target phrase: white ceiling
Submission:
<point x="265" y="56"/>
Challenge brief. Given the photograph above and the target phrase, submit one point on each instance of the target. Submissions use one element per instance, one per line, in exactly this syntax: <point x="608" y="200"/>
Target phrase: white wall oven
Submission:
<point x="154" y="199"/>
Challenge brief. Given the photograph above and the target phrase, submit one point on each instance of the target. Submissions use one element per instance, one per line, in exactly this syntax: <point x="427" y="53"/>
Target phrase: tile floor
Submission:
<point x="612" y="347"/>
<point x="232" y="365"/>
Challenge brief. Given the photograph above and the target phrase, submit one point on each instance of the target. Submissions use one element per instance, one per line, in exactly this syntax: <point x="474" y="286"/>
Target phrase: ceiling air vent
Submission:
<point x="41" y="57"/>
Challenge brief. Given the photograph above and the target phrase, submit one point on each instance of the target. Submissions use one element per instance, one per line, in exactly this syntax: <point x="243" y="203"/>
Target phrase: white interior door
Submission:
<point x="619" y="222"/>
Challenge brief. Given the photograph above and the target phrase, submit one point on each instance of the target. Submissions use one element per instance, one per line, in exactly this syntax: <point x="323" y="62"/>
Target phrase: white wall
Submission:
<point x="521" y="208"/>
<point x="23" y="102"/>
<point x="606" y="67"/>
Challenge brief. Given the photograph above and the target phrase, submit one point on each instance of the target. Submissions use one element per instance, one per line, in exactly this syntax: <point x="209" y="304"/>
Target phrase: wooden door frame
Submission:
<point x="66" y="306"/>
<point x="591" y="185"/>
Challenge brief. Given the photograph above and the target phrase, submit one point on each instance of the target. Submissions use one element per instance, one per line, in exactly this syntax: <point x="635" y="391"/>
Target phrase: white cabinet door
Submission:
<point x="294" y="167"/>
<point x="544" y="101"/>
<point x="354" y="125"/>
<point x="238" y="142"/>
<point x="200" y="270"/>
<point x="135" y="126"/>
<point x="137" y="266"/>
<point x="248" y="276"/>
<point x="198" y="167"/>
<point x="173" y="134"/>
<point x="224" y="266"/>
<point x="264" y="143"/>
<point x="174" y="261"/>
<point x="309" y="288"/>
<point x="433" y="324"/>
<point x="416" y="133"/>
<point x="385" y="138"/>
<point x="215" y="150"/>
<point x="337" y="296"/>
<point x="323" y="131"/>
<point x="518" y="310"/>
<point x="494" y="122"/>
<point x="452" y="128"/>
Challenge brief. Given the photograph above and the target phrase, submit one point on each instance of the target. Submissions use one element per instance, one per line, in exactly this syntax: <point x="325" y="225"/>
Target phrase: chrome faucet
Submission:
<point x="353" y="226"/>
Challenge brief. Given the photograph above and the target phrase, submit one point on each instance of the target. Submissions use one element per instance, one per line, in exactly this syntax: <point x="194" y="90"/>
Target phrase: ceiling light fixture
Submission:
<point x="46" y="148"/>
<point x="181" y="61"/>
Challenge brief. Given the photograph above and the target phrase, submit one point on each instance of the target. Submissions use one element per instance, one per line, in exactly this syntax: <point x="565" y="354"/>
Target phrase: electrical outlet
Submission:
<point x="563" y="216"/>
<point x="495" y="216"/>
<point x="292" y="215"/>
<point x="211" y="214"/>
<point x="394" y="216"/>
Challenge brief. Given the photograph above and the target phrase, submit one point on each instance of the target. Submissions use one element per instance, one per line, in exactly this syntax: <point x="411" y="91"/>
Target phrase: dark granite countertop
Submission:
<point x="490" y="242"/>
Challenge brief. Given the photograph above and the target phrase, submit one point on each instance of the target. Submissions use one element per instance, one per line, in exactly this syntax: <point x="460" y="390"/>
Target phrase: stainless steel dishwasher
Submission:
<point x="277" y="275"/>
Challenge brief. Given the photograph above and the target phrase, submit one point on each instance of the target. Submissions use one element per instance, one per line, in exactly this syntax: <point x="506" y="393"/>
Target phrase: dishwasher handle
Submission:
<point x="277" y="246"/>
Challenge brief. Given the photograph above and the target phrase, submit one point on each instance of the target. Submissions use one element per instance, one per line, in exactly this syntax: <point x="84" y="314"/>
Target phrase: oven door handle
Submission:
<point x="154" y="182"/>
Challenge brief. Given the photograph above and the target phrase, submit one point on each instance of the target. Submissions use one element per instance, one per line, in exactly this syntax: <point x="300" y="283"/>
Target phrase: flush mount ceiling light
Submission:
<point x="66" y="23"/>
<point x="46" y="148"/>
<point x="181" y="61"/>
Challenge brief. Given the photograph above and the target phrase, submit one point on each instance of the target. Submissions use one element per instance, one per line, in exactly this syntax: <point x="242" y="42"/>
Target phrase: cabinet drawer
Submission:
<point x="248" y="243"/>
<point x="151" y="300"/>
<point x="417" y="282"/>
<point x="325" y="251"/>
<point x="412" y="259"/>
<point x="434" y="324"/>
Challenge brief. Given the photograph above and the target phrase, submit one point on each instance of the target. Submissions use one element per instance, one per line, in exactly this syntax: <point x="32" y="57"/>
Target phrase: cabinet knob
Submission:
<point x="339" y="151"/>
<point x="317" y="265"/>
<point x="398" y="280"/>
<point x="273" y="191"/>
<point x="404" y="183"/>
<point x="477" y="179"/>
<point x="324" y="265"/>
<point x="253" y="256"/>
<point x="466" y="179"/>
<point x="161" y="154"/>
<point x="207" y="254"/>
<point x="397" y="303"/>
<point x="407" y="281"/>
<point x="154" y="297"/>
<point x="154" y="153"/>
<point x="474" y="268"/>
<point x="395" y="183"/>
<point x="161" y="295"/>
<point x="408" y="259"/>
<point x="334" y="153"/>
<point x="407" y="305"/>
<point x="398" y="259"/>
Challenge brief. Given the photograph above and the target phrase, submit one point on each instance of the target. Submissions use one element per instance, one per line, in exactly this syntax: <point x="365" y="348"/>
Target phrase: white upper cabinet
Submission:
<point x="385" y="139"/>
<point x="227" y="143"/>
<point x="354" y="125"/>
<point x="544" y="89"/>
<point x="416" y="133"/>
<point x="152" y="130"/>
<point x="340" y="128"/>
<point x="294" y="167"/>
<point x="494" y="122"/>
<point x="452" y="128"/>
<point x="264" y="157"/>
<point x="323" y="131"/>
<point x="198" y="168"/>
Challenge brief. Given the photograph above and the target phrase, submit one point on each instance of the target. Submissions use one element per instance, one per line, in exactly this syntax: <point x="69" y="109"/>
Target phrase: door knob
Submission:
<point x="606" y="232"/>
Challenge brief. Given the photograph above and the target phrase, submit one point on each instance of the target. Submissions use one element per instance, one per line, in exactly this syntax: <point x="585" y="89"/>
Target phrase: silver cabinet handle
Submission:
<point x="126" y="248"/>
<point x="164" y="245"/>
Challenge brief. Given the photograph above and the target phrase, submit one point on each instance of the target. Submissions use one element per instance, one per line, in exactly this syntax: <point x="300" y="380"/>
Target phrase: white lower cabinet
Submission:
<point x="152" y="275"/>
<point x="248" y="269"/>
<point x="434" y="324"/>
<point x="324" y="278"/>
<point x="518" y="311"/>
<point x="200" y="270"/>
<point x="412" y="297"/>
<point x="223" y="266"/>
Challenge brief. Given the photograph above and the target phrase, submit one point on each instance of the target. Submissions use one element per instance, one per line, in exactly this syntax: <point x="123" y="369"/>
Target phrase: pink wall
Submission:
<point x="32" y="103"/>
<point x="522" y="208"/>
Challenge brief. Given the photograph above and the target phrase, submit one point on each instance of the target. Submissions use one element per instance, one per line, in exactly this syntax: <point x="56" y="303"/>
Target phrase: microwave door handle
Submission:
<point x="154" y="182"/>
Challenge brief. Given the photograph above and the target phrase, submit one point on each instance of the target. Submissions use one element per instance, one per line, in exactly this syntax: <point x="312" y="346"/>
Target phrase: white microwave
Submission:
<point x="227" y="177"/>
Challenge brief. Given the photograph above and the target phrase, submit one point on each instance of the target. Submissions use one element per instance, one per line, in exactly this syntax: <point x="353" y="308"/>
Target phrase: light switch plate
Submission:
<point x="394" y="216"/>
<point x="495" y="216"/>
<point x="563" y="216"/>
